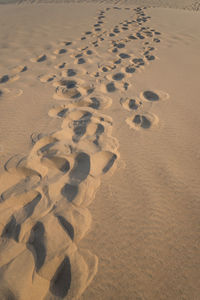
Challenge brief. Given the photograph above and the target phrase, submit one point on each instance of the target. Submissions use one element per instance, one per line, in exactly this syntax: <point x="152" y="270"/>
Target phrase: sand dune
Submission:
<point x="99" y="150"/>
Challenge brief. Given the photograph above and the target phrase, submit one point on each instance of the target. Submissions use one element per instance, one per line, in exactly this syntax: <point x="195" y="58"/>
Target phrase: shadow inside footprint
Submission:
<point x="42" y="58"/>
<point x="151" y="96"/>
<point x="95" y="103"/>
<point x="138" y="61"/>
<point x="142" y="121"/>
<point x="66" y="226"/>
<point x="62" y="51"/>
<point x="61" y="281"/>
<point x="62" y="113"/>
<point x="118" y="61"/>
<point x="69" y="84"/>
<point x="12" y="230"/>
<point x="120" y="45"/>
<point x="130" y="70"/>
<point x="81" y="168"/>
<point x="110" y="87"/>
<point x="69" y="191"/>
<point x="46" y="149"/>
<point x="60" y="163"/>
<point x="30" y="207"/>
<point x="110" y="163"/>
<point x="17" y="189"/>
<point x="71" y="72"/>
<point x="133" y="104"/>
<point x="124" y="55"/>
<point x="118" y="76"/>
<point x="36" y="244"/>
<point x="4" y="78"/>
<point x="81" y="61"/>
<point x="132" y="37"/>
<point x="80" y="126"/>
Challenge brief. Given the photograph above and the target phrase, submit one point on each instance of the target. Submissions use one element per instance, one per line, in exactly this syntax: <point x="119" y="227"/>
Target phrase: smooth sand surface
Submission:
<point x="99" y="151"/>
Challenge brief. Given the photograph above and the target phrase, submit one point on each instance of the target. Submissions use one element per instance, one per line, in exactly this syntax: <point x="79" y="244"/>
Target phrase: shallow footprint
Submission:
<point x="130" y="103"/>
<point x="10" y="93"/>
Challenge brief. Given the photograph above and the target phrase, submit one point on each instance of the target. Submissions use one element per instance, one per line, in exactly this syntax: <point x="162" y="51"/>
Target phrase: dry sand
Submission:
<point x="99" y="150"/>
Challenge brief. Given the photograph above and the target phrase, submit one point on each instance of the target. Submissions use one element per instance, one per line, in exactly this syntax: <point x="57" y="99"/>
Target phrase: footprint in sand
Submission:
<point x="19" y="69"/>
<point x="47" y="78"/>
<point x="142" y="121"/>
<point x="131" y="103"/>
<point x="39" y="59"/>
<point x="8" y="79"/>
<point x="10" y="93"/>
<point x="60" y="51"/>
<point x="66" y="89"/>
<point x="60" y="66"/>
<point x="154" y="96"/>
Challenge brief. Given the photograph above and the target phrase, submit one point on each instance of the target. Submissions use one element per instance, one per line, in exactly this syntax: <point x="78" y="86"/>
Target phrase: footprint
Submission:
<point x="10" y="93"/>
<point x="20" y="69"/>
<point x="7" y="78"/>
<point x="130" y="69"/>
<point x="60" y="66"/>
<point x="80" y="126"/>
<point x="142" y="121"/>
<point x="81" y="168"/>
<point x="130" y="103"/>
<point x="61" y="281"/>
<point x="69" y="191"/>
<point x="110" y="87"/>
<point x="154" y="96"/>
<point x="27" y="180"/>
<point x="66" y="43"/>
<point x="11" y="230"/>
<point x="36" y="244"/>
<point x="60" y="163"/>
<point x="4" y="79"/>
<point x="40" y="58"/>
<point x="47" y="78"/>
<point x="102" y="162"/>
<point x="60" y="51"/>
<point x="70" y="73"/>
<point x="118" y="76"/>
<point x="124" y="55"/>
<point x="67" y="226"/>
<point x="63" y="93"/>
<point x="81" y="61"/>
<point x="138" y="62"/>
<point x="132" y="37"/>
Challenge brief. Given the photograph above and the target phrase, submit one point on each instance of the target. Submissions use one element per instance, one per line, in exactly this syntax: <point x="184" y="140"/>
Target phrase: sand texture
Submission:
<point x="99" y="150"/>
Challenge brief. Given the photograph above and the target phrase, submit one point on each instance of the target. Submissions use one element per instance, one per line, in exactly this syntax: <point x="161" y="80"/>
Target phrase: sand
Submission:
<point x="99" y="150"/>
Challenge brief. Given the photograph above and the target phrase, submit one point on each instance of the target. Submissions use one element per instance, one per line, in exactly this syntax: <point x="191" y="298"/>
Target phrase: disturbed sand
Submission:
<point x="99" y="150"/>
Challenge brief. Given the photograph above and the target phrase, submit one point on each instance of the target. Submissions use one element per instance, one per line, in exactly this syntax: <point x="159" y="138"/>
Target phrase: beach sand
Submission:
<point x="99" y="150"/>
